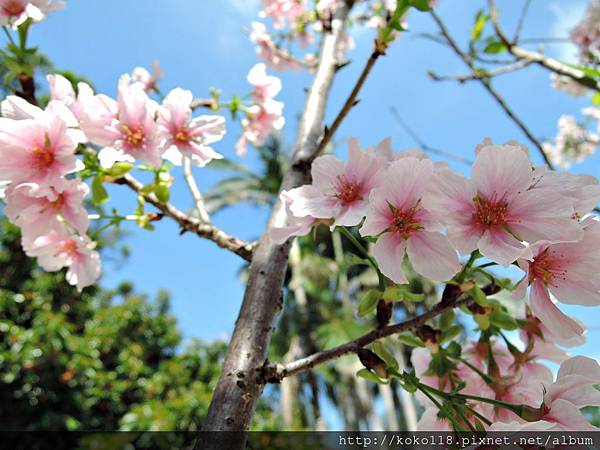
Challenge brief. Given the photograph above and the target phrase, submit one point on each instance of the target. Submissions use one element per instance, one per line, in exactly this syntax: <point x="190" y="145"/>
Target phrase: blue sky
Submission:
<point x="202" y="44"/>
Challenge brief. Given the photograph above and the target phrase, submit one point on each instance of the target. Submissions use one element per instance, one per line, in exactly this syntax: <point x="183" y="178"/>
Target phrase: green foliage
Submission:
<point x="96" y="360"/>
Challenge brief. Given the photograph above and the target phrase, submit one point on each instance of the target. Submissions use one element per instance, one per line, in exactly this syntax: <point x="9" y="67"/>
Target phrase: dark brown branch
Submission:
<point x="274" y="373"/>
<point x="488" y="86"/>
<point x="191" y="224"/>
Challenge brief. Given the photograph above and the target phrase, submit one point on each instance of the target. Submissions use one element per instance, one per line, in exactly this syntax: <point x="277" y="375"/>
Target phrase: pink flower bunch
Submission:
<point x="278" y="58"/>
<point x="573" y="143"/>
<point x="284" y="12"/>
<point x="135" y="127"/>
<point x="149" y="80"/>
<point x="265" y="115"/>
<point x="586" y="35"/>
<point x="496" y="373"/>
<point x="508" y="210"/>
<point x="37" y="162"/>
<point x="15" y="12"/>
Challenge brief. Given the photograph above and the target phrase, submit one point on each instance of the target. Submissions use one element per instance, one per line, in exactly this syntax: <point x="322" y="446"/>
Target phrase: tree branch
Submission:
<point x="488" y="86"/>
<point x="483" y="74"/>
<point x="205" y="230"/>
<point x="350" y="102"/>
<point x="538" y="58"/>
<point x="194" y="189"/>
<point x="274" y="373"/>
<point x="240" y="383"/>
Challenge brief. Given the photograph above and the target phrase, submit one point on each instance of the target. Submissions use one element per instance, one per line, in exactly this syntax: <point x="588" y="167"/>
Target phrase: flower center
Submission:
<point x="59" y="203"/>
<point x="182" y="136"/>
<point x="348" y="191"/>
<point x="69" y="247"/>
<point x="13" y="8"/>
<point x="134" y="137"/>
<point x="544" y="267"/>
<point x="490" y="213"/>
<point x="43" y="157"/>
<point x="404" y="221"/>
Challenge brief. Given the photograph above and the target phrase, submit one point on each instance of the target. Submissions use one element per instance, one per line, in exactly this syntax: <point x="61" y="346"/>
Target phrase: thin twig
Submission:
<point x="203" y="103"/>
<point x="276" y="372"/>
<point x="488" y="86"/>
<point x="194" y="189"/>
<point x="191" y="224"/>
<point x="521" y="21"/>
<point x="480" y="74"/>
<point x="426" y="148"/>
<point x="350" y="102"/>
<point x="538" y="58"/>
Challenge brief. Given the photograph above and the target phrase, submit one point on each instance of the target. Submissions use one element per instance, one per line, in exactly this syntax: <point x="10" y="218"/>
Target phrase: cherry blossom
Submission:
<point x="572" y="390"/>
<point x="38" y="150"/>
<point x="36" y="209"/>
<point x="496" y="210"/>
<point x="586" y="35"/>
<point x="147" y="79"/>
<point x="404" y="225"/>
<point x="58" y="249"/>
<point x="265" y="116"/>
<point x="340" y="190"/>
<point x="568" y="271"/>
<point x="286" y="223"/>
<point x="573" y="143"/>
<point x="277" y="58"/>
<point x="134" y="133"/>
<point x="15" y="12"/>
<point x="183" y="135"/>
<point x="284" y="12"/>
<point x="568" y="85"/>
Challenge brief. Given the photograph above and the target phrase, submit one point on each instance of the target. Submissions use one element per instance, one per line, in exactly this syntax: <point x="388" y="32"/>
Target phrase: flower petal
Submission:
<point x="432" y="256"/>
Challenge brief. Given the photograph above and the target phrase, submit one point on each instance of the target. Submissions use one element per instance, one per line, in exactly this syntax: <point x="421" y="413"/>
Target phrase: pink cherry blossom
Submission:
<point x="283" y="12"/>
<point x="568" y="271"/>
<point x="36" y="150"/>
<point x="133" y="133"/>
<point x="277" y="58"/>
<point x="147" y="79"/>
<point x="286" y="224"/>
<point x="184" y="136"/>
<point x="340" y="190"/>
<point x="404" y="225"/>
<point x="62" y="90"/>
<point x="572" y="390"/>
<point x="265" y="86"/>
<point x="36" y="209"/>
<point x="497" y="210"/>
<point x="97" y="115"/>
<point x="58" y="249"/>
<point x="15" y="12"/>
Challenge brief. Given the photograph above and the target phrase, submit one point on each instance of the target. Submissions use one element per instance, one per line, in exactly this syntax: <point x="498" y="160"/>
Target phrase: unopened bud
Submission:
<point x="384" y="313"/>
<point x="372" y="362"/>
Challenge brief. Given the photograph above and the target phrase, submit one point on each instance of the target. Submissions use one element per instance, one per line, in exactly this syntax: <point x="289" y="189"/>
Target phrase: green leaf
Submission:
<point x="368" y="302"/>
<point x="479" y="296"/>
<point x="421" y="5"/>
<point x="410" y="339"/>
<point x="368" y="375"/>
<point x="162" y="192"/>
<point x="503" y="320"/>
<point x="454" y="349"/>
<point x="450" y="333"/>
<point x="494" y="47"/>
<point x="596" y="99"/>
<point x="385" y="354"/>
<point x="440" y="365"/>
<point x="99" y="194"/>
<point x="482" y="320"/>
<point x="446" y="319"/>
<point x="480" y="20"/>
<point x="119" y="169"/>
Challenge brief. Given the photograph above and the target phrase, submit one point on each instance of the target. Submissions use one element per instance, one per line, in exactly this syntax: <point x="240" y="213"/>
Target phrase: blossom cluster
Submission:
<point x="573" y="142"/>
<point x="510" y="211"/>
<point x="295" y="22"/>
<point x="265" y="115"/>
<point x="39" y="163"/>
<point x="586" y="35"/>
<point x="507" y="376"/>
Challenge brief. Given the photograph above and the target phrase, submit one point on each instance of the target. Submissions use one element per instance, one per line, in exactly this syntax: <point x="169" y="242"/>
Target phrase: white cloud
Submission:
<point x="566" y="16"/>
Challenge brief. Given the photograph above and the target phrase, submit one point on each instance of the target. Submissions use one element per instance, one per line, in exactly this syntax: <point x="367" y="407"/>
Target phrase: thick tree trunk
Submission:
<point x="240" y="384"/>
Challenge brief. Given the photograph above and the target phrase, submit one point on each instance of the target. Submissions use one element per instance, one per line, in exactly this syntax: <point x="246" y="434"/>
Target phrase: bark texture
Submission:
<point x="241" y="382"/>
